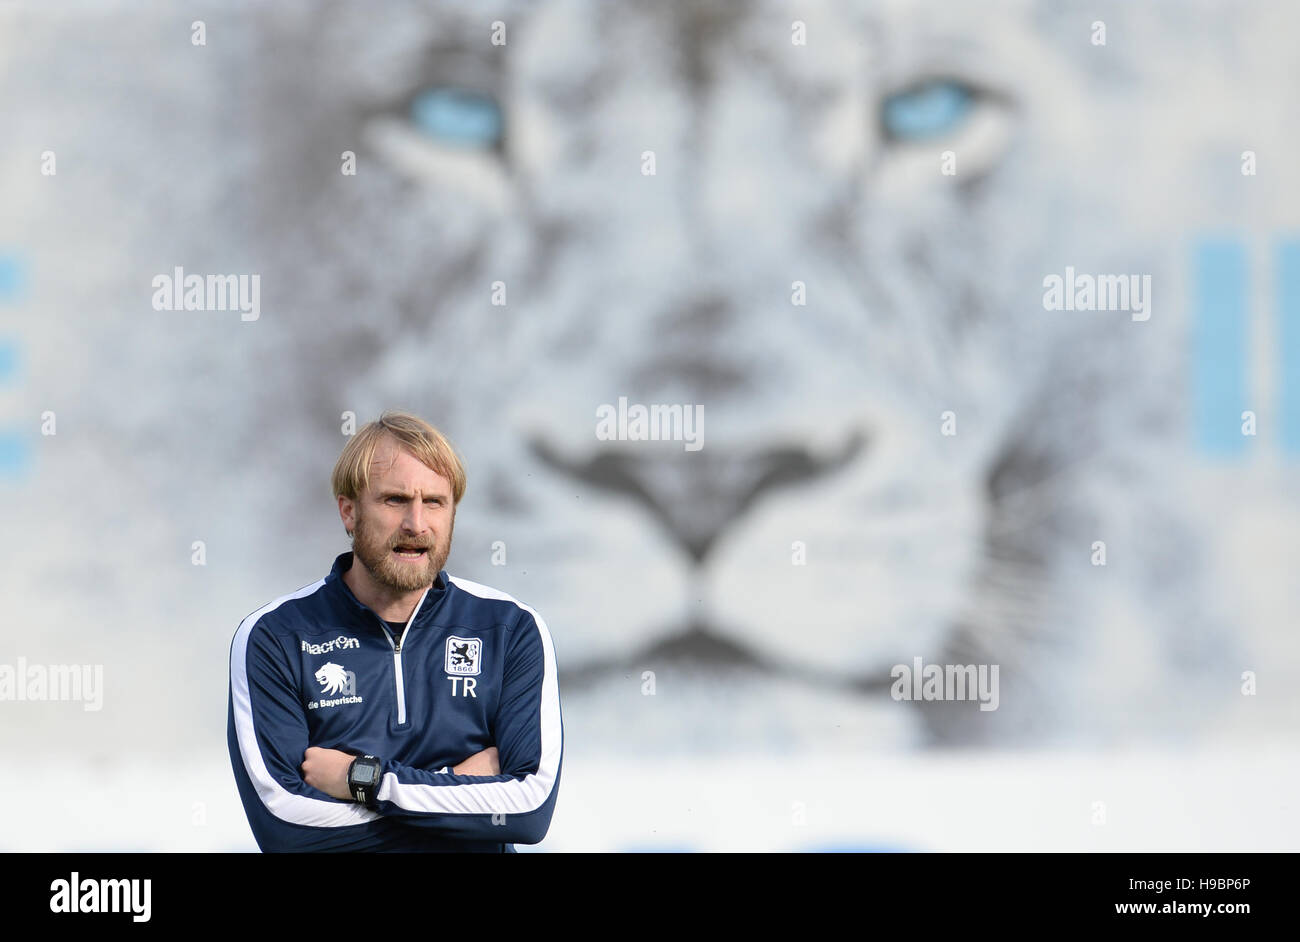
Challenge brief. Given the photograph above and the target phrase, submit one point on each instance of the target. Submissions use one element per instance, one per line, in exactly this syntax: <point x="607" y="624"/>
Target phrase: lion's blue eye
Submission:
<point x="928" y="110"/>
<point x="457" y="117"/>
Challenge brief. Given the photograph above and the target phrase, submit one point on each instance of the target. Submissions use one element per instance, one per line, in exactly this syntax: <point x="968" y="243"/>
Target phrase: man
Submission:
<point x="390" y="706"/>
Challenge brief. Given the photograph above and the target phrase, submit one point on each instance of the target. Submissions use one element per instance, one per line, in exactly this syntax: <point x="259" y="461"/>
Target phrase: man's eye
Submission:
<point x="932" y="108"/>
<point x="457" y="117"/>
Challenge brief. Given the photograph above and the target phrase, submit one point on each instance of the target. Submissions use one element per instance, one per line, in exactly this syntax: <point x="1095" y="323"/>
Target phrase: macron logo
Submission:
<point x="102" y="896"/>
<point x="340" y="643"/>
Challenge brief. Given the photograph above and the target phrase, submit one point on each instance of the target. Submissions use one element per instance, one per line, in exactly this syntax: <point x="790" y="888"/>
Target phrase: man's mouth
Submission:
<point x="411" y="552"/>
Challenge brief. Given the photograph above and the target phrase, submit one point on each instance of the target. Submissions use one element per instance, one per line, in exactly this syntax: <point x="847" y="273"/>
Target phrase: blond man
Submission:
<point x="389" y="705"/>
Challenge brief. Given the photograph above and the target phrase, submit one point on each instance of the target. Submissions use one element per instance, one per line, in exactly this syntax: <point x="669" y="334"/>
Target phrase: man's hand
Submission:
<point x="486" y="762"/>
<point x="327" y="769"/>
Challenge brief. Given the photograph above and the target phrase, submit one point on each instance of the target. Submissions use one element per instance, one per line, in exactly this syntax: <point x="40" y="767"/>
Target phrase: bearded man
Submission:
<point x="390" y="706"/>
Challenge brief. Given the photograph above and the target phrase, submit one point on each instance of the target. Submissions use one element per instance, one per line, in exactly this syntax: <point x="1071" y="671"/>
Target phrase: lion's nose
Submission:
<point x="697" y="495"/>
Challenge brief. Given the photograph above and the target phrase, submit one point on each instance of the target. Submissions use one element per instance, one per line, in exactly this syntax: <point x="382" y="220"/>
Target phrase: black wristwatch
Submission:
<point x="363" y="778"/>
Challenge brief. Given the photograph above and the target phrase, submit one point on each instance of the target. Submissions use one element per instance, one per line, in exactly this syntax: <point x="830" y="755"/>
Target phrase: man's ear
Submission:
<point x="347" y="509"/>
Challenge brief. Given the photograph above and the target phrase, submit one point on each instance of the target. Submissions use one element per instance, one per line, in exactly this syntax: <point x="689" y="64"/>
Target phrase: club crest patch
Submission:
<point x="463" y="655"/>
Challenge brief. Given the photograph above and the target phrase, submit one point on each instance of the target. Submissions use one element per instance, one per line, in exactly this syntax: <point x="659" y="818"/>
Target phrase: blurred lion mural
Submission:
<point x="812" y="238"/>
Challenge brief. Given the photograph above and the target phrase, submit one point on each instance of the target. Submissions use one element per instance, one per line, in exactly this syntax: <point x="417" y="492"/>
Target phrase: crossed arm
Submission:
<point x="327" y="769"/>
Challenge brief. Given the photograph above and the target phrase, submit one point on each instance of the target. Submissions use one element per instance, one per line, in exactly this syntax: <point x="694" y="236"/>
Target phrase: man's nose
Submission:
<point x="415" y="520"/>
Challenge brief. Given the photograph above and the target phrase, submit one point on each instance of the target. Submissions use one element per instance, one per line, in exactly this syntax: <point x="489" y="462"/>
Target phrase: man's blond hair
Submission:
<point x="351" y="474"/>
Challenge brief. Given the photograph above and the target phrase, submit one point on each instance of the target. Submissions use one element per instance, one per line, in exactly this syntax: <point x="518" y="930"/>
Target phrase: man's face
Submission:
<point x="402" y="525"/>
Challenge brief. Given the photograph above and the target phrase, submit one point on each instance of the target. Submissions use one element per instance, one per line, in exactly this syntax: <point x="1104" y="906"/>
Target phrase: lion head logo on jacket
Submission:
<point x="333" y="678"/>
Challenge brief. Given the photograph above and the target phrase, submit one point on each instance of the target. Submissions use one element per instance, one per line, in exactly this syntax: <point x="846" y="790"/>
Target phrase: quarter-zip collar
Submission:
<point x="424" y="609"/>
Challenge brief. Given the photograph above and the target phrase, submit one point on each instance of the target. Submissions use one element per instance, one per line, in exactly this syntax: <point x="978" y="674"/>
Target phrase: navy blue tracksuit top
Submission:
<point x="474" y="668"/>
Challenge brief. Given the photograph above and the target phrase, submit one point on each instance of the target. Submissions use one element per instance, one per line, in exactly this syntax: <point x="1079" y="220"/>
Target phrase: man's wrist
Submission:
<point x="364" y="775"/>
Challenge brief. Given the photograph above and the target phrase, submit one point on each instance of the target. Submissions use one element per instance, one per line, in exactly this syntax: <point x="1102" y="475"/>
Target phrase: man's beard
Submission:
<point x="375" y="552"/>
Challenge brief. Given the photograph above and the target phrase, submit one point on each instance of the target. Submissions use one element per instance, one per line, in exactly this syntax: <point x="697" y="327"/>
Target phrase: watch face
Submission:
<point x="365" y="773"/>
